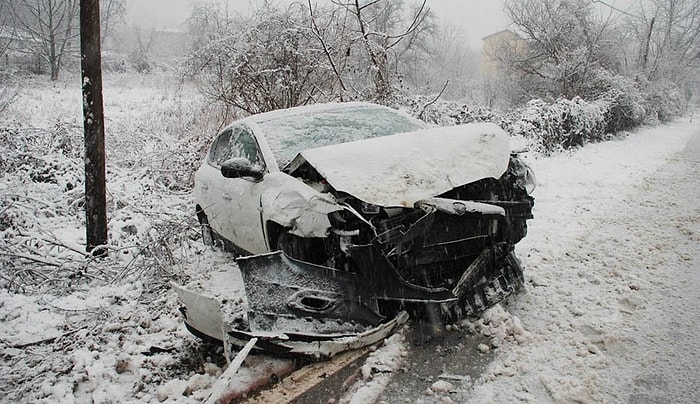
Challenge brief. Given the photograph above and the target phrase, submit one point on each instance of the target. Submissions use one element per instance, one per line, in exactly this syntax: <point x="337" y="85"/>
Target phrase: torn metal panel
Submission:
<point x="289" y="296"/>
<point x="320" y="346"/>
<point x="474" y="272"/>
<point x="202" y="312"/>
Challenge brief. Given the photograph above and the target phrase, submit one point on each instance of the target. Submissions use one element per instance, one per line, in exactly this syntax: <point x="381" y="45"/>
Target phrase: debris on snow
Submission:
<point x="377" y="370"/>
<point x="441" y="386"/>
<point x="498" y="325"/>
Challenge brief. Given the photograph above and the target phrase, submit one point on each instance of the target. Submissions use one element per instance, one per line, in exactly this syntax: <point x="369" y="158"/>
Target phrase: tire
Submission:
<point x="291" y="246"/>
<point x="310" y="250"/>
<point x="207" y="234"/>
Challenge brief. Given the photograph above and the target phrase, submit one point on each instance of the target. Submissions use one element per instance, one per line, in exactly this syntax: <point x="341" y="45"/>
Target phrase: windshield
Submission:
<point x="289" y="134"/>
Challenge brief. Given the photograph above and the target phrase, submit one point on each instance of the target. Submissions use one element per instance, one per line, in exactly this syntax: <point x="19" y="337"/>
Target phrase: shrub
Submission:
<point x="625" y="106"/>
<point x="561" y="125"/>
<point x="564" y="123"/>
<point x="664" y="100"/>
<point x="443" y="113"/>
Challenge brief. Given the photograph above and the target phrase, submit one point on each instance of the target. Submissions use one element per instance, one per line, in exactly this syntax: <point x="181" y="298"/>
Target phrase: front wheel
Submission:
<point x="311" y="249"/>
<point x="207" y="234"/>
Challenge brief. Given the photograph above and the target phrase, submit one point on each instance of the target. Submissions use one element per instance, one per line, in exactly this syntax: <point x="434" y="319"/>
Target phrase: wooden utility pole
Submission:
<point x="93" y="120"/>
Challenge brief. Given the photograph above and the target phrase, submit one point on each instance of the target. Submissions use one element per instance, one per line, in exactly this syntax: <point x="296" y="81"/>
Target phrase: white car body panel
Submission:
<point x="402" y="169"/>
<point x="294" y="205"/>
<point x="227" y="198"/>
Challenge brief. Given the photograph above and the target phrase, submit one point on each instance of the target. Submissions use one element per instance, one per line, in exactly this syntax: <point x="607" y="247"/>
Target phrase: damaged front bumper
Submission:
<point x="300" y="299"/>
<point x="455" y="255"/>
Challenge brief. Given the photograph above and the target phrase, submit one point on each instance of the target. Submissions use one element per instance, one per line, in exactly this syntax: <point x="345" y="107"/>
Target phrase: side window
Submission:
<point x="237" y="142"/>
<point x="219" y="149"/>
<point x="244" y="145"/>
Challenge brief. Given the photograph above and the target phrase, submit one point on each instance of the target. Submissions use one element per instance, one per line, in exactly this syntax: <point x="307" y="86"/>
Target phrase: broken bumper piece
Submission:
<point x="317" y="346"/>
<point x="227" y="318"/>
<point x="294" y="297"/>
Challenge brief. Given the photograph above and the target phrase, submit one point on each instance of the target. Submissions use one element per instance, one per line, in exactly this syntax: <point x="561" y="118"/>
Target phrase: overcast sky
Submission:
<point x="477" y="18"/>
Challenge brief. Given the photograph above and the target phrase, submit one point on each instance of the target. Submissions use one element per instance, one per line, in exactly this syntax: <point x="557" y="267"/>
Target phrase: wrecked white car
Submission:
<point x="345" y="214"/>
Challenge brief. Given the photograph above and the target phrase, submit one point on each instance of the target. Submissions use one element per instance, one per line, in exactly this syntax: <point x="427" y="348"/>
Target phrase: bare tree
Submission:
<point x="6" y="33"/>
<point x="330" y="31"/>
<point x="51" y="26"/>
<point x="668" y="34"/>
<point x="8" y="92"/>
<point x="445" y="57"/>
<point x="382" y="26"/>
<point x="565" y="50"/>
<point x="111" y="13"/>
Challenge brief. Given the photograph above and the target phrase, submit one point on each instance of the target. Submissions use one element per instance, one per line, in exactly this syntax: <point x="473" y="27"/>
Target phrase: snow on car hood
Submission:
<point x="401" y="169"/>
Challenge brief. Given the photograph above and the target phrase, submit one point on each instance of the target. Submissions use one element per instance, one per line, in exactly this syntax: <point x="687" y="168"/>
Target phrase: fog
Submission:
<point x="476" y="18"/>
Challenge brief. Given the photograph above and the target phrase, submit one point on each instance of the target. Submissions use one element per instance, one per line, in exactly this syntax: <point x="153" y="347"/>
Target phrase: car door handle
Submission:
<point x="226" y="196"/>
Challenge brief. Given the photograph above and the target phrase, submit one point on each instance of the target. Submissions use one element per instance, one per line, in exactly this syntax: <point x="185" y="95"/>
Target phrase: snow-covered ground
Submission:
<point x="611" y="265"/>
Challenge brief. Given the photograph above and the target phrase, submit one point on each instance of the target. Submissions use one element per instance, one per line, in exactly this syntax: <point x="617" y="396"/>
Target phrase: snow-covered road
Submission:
<point x="613" y="278"/>
<point x="661" y="362"/>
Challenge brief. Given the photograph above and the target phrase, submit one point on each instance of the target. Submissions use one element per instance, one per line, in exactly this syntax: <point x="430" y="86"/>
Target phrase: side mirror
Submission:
<point x="240" y="167"/>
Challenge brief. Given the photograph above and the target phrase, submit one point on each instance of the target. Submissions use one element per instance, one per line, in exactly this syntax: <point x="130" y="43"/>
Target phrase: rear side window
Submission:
<point x="237" y="142"/>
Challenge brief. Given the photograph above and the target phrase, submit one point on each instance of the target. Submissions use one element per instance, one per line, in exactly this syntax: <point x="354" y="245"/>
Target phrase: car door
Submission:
<point x="236" y="211"/>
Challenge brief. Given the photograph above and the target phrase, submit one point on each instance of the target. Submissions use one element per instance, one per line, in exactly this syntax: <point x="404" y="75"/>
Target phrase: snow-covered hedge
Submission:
<point x="444" y="113"/>
<point x="563" y="123"/>
<point x="626" y="106"/>
<point x="560" y="125"/>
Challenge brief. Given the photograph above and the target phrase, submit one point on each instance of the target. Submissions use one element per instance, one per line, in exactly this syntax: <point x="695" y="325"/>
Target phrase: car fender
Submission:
<point x="296" y="206"/>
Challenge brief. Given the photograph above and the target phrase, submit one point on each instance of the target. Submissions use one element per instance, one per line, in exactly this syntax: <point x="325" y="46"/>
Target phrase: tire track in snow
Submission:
<point x="662" y="365"/>
<point x="611" y="250"/>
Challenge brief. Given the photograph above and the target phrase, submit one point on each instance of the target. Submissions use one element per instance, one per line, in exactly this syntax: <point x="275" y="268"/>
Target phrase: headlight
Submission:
<point x="525" y="177"/>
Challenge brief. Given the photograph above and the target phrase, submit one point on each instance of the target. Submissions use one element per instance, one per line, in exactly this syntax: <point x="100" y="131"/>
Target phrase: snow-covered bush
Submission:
<point x="560" y="125"/>
<point x="664" y="101"/>
<point x="139" y="60"/>
<point x="273" y="63"/>
<point x="441" y="112"/>
<point x="547" y="126"/>
<point x="42" y="157"/>
<point x="193" y="124"/>
<point x="625" y="106"/>
<point x="155" y="132"/>
<point x="41" y="184"/>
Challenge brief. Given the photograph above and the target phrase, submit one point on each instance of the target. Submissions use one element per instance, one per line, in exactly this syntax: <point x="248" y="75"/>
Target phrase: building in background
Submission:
<point x="499" y="51"/>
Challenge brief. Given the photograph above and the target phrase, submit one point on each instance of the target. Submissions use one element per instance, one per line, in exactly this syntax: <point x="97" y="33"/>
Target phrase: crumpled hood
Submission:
<point x="401" y="169"/>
